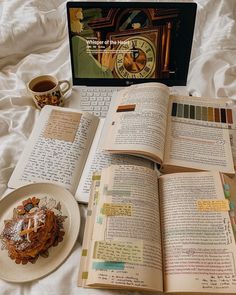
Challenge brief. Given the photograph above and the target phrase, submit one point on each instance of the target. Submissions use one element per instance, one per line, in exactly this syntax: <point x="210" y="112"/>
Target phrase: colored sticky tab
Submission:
<point x="226" y="187"/>
<point x="108" y="265"/>
<point x="116" y="192"/>
<point x="84" y="275"/>
<point x="84" y="252"/>
<point x="234" y="227"/>
<point x="131" y="252"/>
<point x="111" y="209"/>
<point x="227" y="194"/>
<point x="96" y="177"/>
<point x="99" y="219"/>
<point x="89" y="212"/>
<point x="213" y="205"/>
<point x="126" y="108"/>
<point x="231" y="205"/>
<point x="105" y="189"/>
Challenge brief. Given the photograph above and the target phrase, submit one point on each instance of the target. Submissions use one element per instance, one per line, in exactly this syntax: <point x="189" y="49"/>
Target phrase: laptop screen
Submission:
<point x="117" y="44"/>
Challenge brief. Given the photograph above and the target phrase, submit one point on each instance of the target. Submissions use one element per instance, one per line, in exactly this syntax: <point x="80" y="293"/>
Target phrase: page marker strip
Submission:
<point x="110" y="209"/>
<point x="232" y="215"/>
<point x="226" y="187"/>
<point x="117" y="251"/>
<point x="213" y="205"/>
<point x="126" y="108"/>
<point x="106" y="265"/>
<point x="231" y="205"/>
<point x="116" y="192"/>
<point x="96" y="195"/>
<point x="84" y="252"/>
<point x="99" y="219"/>
<point x="96" y="177"/>
<point x="84" y="275"/>
<point x="227" y="190"/>
<point x="89" y="212"/>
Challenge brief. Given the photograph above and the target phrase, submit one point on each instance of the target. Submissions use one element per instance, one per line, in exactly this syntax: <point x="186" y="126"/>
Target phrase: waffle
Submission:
<point x="29" y="234"/>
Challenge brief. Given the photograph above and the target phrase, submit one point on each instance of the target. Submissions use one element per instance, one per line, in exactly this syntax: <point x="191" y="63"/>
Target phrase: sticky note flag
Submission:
<point x="89" y="212"/>
<point x="116" y="192"/>
<point x="227" y="194"/>
<point x="110" y="209"/>
<point x="226" y="187"/>
<point x="108" y="265"/>
<point x="231" y="205"/>
<point x="84" y="275"/>
<point x="96" y="177"/>
<point x="227" y="190"/>
<point x="119" y="251"/>
<point x="126" y="108"/>
<point x="209" y="205"/>
<point x="99" y="219"/>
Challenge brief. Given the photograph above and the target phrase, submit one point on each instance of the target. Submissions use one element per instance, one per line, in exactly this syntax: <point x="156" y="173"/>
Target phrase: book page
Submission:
<point x="138" y="122"/>
<point x="198" y="242"/>
<point x="232" y="136"/>
<point x="57" y="148"/>
<point x="232" y="131"/>
<point x="124" y="249"/>
<point x="197" y="135"/>
<point x="229" y="185"/>
<point x="99" y="159"/>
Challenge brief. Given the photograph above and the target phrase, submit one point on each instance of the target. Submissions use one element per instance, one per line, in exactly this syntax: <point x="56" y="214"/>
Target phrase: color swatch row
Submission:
<point x="210" y="114"/>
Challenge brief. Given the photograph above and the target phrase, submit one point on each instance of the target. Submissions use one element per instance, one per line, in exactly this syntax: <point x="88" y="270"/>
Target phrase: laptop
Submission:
<point x="116" y="44"/>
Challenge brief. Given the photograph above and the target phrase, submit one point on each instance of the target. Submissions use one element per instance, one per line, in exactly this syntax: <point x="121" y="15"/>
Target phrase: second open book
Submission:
<point x="66" y="145"/>
<point x="179" y="133"/>
<point x="174" y="233"/>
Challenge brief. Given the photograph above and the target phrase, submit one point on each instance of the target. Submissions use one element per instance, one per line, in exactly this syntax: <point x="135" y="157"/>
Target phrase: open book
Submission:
<point x="168" y="234"/>
<point x="180" y="133"/>
<point x="66" y="145"/>
<point x="64" y="148"/>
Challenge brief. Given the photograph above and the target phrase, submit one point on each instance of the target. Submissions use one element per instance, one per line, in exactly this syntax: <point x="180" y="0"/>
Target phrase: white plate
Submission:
<point x="12" y="272"/>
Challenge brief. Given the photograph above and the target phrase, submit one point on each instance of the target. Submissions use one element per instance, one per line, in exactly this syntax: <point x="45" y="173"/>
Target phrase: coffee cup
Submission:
<point x="47" y="90"/>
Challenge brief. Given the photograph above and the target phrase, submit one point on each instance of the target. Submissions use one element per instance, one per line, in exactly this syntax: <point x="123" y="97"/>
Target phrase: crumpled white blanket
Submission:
<point x="34" y="41"/>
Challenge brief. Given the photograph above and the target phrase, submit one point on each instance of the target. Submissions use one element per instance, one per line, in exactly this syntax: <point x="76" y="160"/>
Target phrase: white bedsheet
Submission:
<point x="33" y="41"/>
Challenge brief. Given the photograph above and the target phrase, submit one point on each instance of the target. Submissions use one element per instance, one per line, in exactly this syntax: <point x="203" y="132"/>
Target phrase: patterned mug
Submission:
<point x="47" y="90"/>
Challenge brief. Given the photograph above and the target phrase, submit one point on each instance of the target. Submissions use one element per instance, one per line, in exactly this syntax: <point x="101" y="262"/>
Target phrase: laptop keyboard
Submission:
<point x="97" y="100"/>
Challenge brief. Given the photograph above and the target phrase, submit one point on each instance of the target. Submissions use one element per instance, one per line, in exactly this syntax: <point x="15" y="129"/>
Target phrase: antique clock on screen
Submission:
<point x="135" y="58"/>
<point x="136" y="46"/>
<point x="141" y="40"/>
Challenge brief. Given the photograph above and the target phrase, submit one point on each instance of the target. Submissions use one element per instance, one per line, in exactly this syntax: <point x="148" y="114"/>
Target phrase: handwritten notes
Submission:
<point x="62" y="125"/>
<point x="119" y="251"/>
<point x="217" y="282"/>
<point x="110" y="209"/>
<point x="208" y="205"/>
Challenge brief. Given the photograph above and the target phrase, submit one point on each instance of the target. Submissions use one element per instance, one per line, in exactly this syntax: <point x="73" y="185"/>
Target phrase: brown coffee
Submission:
<point x="43" y="86"/>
